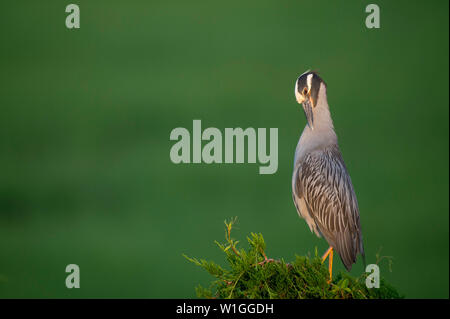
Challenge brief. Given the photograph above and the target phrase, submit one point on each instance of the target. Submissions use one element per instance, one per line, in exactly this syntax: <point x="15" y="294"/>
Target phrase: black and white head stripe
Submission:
<point x="311" y="81"/>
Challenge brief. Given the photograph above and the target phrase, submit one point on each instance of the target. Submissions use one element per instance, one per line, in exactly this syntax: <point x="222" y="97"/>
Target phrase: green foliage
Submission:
<point x="252" y="275"/>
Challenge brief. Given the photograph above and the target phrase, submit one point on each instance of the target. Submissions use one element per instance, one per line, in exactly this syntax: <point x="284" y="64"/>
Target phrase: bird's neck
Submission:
<point x="323" y="134"/>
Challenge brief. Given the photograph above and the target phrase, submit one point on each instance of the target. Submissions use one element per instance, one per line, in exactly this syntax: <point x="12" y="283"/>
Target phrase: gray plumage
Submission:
<point x="321" y="186"/>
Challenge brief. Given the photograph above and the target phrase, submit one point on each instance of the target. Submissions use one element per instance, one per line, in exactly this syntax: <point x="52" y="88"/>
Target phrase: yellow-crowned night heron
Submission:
<point x="321" y="186"/>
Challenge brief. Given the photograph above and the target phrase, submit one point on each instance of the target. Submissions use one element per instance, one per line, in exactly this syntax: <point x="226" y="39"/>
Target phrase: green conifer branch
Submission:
<point x="252" y="275"/>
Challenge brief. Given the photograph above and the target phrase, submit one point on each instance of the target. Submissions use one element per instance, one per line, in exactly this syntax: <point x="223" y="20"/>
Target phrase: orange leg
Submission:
<point x="329" y="254"/>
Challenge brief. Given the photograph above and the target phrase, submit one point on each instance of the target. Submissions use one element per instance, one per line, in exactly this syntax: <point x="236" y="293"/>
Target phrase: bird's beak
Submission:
<point x="305" y="101"/>
<point x="307" y="107"/>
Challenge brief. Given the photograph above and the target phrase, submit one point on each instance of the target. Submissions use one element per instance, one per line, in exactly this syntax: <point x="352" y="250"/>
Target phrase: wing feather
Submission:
<point x="322" y="181"/>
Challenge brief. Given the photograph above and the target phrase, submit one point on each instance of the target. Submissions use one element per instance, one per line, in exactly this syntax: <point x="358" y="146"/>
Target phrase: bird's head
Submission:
<point x="307" y="89"/>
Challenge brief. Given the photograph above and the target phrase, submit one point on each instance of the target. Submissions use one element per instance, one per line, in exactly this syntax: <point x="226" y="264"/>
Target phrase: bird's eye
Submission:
<point x="305" y="90"/>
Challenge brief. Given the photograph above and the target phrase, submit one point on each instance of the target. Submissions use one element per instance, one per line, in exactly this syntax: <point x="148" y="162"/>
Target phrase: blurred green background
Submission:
<point x="86" y="115"/>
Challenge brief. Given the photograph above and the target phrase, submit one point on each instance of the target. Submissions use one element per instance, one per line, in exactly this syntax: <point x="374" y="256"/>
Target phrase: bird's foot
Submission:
<point x="265" y="261"/>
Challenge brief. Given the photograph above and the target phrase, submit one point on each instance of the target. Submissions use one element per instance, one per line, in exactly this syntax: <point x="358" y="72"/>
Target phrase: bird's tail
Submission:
<point x="363" y="254"/>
